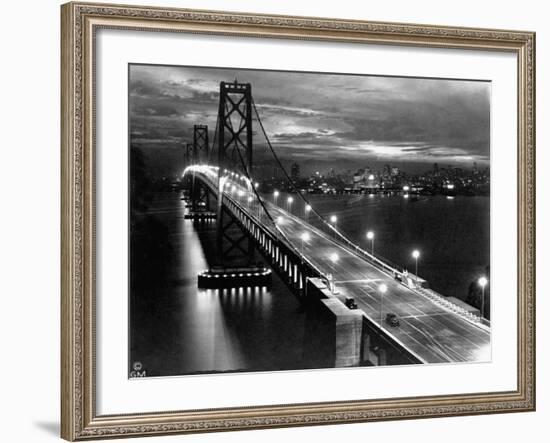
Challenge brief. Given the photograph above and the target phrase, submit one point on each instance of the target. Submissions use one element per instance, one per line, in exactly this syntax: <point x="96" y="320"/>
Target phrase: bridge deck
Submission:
<point x="429" y="330"/>
<point x="432" y="332"/>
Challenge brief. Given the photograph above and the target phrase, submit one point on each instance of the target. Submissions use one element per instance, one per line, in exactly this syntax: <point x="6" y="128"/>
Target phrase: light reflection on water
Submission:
<point x="188" y="330"/>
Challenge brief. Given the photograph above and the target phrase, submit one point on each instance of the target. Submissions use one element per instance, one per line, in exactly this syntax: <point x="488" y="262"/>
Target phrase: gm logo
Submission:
<point x="137" y="370"/>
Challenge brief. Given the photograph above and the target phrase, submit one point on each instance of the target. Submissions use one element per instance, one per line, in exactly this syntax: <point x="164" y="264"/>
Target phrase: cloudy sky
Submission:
<point x="316" y="119"/>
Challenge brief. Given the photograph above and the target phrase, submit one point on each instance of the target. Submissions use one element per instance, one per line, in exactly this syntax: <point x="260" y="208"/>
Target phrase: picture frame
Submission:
<point x="79" y="179"/>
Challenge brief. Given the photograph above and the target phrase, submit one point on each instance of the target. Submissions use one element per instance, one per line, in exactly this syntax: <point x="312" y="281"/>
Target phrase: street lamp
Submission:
<point x="483" y="282"/>
<point x="333" y="220"/>
<point x="304" y="237"/>
<point x="370" y="236"/>
<point x="289" y="201"/>
<point x="307" y="208"/>
<point x="334" y="259"/>
<point x="382" y="288"/>
<point x="259" y="206"/>
<point x="415" y="255"/>
<point x="275" y="195"/>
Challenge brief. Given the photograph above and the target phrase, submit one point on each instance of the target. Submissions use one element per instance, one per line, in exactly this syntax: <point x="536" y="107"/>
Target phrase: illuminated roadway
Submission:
<point x="433" y="332"/>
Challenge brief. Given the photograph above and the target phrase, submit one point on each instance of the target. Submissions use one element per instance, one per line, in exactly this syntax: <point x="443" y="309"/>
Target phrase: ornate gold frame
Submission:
<point x="78" y="417"/>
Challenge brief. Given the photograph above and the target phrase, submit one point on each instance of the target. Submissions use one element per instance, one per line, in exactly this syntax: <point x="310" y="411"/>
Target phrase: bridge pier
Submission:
<point x="237" y="277"/>
<point x="356" y="340"/>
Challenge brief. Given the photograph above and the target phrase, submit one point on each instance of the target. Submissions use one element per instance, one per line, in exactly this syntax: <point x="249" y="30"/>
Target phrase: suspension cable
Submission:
<point x="323" y="220"/>
<point x="250" y="181"/>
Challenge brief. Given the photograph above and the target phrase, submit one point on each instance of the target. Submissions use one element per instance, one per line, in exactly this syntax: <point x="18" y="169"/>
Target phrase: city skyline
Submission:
<point x="375" y="120"/>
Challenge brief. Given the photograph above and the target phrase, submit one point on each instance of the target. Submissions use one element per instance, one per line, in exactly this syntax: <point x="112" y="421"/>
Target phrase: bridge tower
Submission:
<point x="200" y="143"/>
<point x="188" y="152"/>
<point x="234" y="153"/>
<point x="199" y="194"/>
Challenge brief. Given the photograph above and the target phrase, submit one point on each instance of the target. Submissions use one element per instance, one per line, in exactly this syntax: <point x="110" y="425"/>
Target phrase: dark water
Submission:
<point x="176" y="328"/>
<point x="452" y="234"/>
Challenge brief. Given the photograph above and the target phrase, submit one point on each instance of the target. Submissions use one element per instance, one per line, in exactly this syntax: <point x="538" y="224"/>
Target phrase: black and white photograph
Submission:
<point x="306" y="220"/>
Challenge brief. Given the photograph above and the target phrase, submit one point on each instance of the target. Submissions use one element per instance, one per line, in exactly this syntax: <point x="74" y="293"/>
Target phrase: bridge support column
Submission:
<point x="199" y="151"/>
<point x="338" y="330"/>
<point x="234" y="151"/>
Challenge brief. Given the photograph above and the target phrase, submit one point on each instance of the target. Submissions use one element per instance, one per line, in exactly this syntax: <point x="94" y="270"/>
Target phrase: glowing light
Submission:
<point x="333" y="219"/>
<point x="416" y="253"/>
<point x="250" y="199"/>
<point x="233" y="188"/>
<point x="241" y="192"/>
<point x="383" y="288"/>
<point x="308" y="208"/>
<point x="256" y="184"/>
<point x="450" y="186"/>
<point x="280" y="220"/>
<point x="290" y="199"/>
<point x="483" y="281"/>
<point x="406" y="188"/>
<point x="276" y="194"/>
<point x="370" y="235"/>
<point x="371" y="177"/>
<point x="305" y="236"/>
<point x="334" y="257"/>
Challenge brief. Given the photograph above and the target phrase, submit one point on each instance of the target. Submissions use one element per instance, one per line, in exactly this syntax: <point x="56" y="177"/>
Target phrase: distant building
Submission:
<point x="295" y="171"/>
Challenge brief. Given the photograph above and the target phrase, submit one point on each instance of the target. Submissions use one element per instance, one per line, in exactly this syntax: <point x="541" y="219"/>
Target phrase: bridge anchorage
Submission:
<point x="235" y="261"/>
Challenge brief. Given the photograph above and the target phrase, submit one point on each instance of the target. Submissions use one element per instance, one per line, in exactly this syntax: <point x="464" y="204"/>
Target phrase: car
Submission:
<point x="350" y="303"/>
<point x="392" y="320"/>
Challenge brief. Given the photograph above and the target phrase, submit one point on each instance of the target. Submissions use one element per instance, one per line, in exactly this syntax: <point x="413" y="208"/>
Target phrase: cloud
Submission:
<point x="352" y="117"/>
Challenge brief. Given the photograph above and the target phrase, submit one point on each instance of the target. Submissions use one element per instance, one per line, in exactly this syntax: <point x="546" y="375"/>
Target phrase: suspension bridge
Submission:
<point x="374" y="311"/>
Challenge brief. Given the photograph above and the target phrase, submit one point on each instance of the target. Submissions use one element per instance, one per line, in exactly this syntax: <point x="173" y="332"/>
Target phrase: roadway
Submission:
<point x="430" y="330"/>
